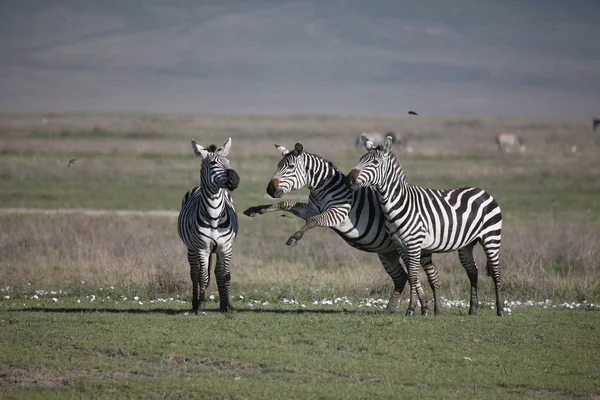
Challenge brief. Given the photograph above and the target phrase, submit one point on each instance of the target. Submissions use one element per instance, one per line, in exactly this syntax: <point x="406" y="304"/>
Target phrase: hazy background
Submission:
<point x="460" y="57"/>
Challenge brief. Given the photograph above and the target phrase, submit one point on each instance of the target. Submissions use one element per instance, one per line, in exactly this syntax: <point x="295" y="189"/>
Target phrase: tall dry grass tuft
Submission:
<point x="550" y="257"/>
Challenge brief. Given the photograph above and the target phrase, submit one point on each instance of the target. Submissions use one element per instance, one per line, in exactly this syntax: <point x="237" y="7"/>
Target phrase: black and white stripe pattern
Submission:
<point x="208" y="224"/>
<point x="424" y="221"/>
<point x="355" y="216"/>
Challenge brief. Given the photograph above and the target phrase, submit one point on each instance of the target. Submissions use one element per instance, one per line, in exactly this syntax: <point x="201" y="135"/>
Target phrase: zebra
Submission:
<point x="208" y="224"/>
<point x="423" y="221"/>
<point x="508" y="141"/>
<point x="595" y="123"/>
<point x="355" y="216"/>
<point x="378" y="138"/>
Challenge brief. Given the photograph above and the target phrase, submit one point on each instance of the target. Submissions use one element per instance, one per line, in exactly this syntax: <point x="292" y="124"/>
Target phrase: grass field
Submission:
<point x="90" y="342"/>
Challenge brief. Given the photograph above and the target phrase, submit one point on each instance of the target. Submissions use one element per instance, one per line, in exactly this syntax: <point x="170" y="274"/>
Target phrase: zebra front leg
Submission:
<point x="468" y="262"/>
<point x="328" y="218"/>
<point x="223" y="275"/>
<point x="301" y="210"/>
<point x="412" y="260"/>
<point x="433" y="277"/>
<point x="199" y="274"/>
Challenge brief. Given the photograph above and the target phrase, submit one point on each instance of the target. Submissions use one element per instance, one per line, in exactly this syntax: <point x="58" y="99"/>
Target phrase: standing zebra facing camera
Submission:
<point x="423" y="221"/>
<point x="355" y="216"/>
<point x="208" y="224"/>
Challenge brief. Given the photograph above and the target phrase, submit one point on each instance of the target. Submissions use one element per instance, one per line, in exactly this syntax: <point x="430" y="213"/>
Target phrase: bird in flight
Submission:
<point x="72" y="161"/>
<point x="412" y="113"/>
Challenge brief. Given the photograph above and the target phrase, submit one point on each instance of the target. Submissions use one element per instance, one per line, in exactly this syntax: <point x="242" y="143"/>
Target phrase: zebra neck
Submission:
<point x="212" y="204"/>
<point x="393" y="190"/>
<point x="320" y="173"/>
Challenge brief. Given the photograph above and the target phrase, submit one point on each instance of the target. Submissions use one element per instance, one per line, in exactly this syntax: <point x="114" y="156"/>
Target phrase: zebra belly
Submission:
<point x="373" y="241"/>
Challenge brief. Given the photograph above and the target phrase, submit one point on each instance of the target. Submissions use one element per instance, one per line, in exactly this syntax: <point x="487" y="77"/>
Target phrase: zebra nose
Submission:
<point x="273" y="188"/>
<point x="351" y="179"/>
<point x="233" y="179"/>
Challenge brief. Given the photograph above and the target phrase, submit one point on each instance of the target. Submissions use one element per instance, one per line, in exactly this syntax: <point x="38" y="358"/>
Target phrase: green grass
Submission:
<point x="101" y="348"/>
<point x="121" y="350"/>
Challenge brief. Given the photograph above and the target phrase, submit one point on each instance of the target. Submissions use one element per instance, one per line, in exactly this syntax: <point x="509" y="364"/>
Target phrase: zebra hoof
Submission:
<point x="410" y="313"/>
<point x="291" y="242"/>
<point x="424" y="312"/>
<point x="250" y="212"/>
<point x="229" y="310"/>
<point x="389" y="310"/>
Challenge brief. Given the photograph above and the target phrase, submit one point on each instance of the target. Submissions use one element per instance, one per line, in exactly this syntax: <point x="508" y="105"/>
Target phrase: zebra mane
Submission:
<point x="326" y="161"/>
<point x="212" y="148"/>
<point x="397" y="163"/>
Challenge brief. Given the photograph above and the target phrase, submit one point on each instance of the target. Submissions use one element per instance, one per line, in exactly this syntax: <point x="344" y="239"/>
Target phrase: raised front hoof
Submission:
<point x="250" y="212"/>
<point x="291" y="242"/>
<point x="389" y="310"/>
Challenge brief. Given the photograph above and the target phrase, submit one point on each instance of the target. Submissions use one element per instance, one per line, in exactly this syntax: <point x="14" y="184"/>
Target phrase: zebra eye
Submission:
<point x="213" y="163"/>
<point x="291" y="166"/>
<point x="375" y="162"/>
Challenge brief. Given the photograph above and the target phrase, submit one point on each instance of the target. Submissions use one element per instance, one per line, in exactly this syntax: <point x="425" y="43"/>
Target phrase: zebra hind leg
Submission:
<point x="465" y="255"/>
<point x="391" y="264"/>
<point x="492" y="253"/>
<point x="223" y="276"/>
<point x="433" y="277"/>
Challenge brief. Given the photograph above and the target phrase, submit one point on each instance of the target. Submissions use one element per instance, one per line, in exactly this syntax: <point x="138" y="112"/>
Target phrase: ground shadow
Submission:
<point x="174" y="311"/>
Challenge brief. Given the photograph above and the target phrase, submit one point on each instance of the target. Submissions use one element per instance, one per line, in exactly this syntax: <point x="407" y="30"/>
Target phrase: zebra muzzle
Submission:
<point x="273" y="189"/>
<point x="233" y="180"/>
<point x="352" y="179"/>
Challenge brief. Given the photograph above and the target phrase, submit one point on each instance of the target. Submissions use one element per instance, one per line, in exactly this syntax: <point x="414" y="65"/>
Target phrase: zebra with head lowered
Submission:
<point x="355" y="216"/>
<point x="378" y="139"/>
<point x="208" y="224"/>
<point x="423" y="221"/>
<point x="506" y="142"/>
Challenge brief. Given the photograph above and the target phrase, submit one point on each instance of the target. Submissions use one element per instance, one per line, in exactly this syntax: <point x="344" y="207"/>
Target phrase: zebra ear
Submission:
<point x="387" y="144"/>
<point x="224" y="150"/>
<point x="298" y="148"/>
<point x="199" y="150"/>
<point x="366" y="142"/>
<point x="281" y="149"/>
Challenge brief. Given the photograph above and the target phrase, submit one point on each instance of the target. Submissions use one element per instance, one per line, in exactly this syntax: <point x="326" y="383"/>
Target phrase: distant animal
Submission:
<point x="424" y="221"/>
<point x="596" y="123"/>
<point x="355" y="216"/>
<point x="378" y="138"/>
<point x="509" y="141"/>
<point x="208" y="224"/>
<point x="72" y="161"/>
<point x="412" y="113"/>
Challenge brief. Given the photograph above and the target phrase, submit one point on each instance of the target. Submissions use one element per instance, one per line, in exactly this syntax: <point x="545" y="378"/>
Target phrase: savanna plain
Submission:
<point x="95" y="289"/>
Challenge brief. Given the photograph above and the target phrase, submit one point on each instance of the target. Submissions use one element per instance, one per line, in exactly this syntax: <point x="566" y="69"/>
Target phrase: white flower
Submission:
<point x="135" y="298"/>
<point x="54" y="299"/>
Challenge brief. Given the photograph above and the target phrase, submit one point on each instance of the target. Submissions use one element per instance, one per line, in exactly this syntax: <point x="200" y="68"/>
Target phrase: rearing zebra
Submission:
<point x="355" y="216"/>
<point x="208" y="224"/>
<point x="424" y="221"/>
